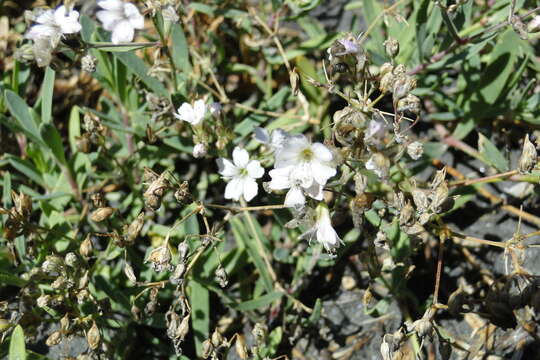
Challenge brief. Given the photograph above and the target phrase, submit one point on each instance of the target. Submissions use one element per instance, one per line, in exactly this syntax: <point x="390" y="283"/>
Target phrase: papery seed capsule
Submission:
<point x="43" y="300"/>
<point x="83" y="281"/>
<point x="183" y="249"/>
<point x="177" y="276"/>
<point x="208" y="349"/>
<point x="88" y="63"/>
<point x="53" y="264"/>
<point x="528" y="158"/>
<point x="130" y="274"/>
<point x="71" y="259"/>
<point x="386" y="68"/>
<point x="217" y="338"/>
<point x="93" y="337"/>
<point x="101" y="214"/>
<point x="64" y="323"/>
<point x="221" y="276"/>
<point x="54" y="339"/>
<point x="415" y="150"/>
<point x="135" y="228"/>
<point x="241" y="348"/>
<point x="86" y="248"/>
<point x="387" y="81"/>
<point x="183" y="328"/>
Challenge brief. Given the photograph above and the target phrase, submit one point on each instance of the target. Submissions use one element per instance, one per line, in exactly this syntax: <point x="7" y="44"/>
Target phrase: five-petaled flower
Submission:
<point x="241" y="174"/>
<point x="302" y="167"/>
<point x="121" y="18"/>
<point x="321" y="229"/>
<point x="53" y="24"/>
<point x="193" y="114"/>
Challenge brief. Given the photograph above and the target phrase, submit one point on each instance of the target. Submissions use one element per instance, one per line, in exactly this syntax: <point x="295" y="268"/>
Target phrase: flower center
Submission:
<point x="243" y="172"/>
<point x="307" y="154"/>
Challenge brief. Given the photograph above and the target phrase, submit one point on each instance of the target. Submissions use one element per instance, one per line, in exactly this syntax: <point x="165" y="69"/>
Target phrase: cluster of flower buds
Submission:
<point x="18" y="215"/>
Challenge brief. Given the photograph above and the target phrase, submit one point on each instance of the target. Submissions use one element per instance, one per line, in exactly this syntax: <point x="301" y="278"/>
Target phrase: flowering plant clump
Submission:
<point x="269" y="180"/>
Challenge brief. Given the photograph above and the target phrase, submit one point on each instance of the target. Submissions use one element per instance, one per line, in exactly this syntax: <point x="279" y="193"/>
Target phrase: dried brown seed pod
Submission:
<point x="160" y="258"/>
<point x="130" y="274"/>
<point x="86" y="247"/>
<point x="23" y="203"/>
<point x="101" y="214"/>
<point x="182" y="194"/>
<point x="54" y="339"/>
<point x="217" y="338"/>
<point x="241" y="348"/>
<point x="392" y="47"/>
<point x="93" y="337"/>
<point x="208" y="349"/>
<point x="134" y="228"/>
<point x="528" y="158"/>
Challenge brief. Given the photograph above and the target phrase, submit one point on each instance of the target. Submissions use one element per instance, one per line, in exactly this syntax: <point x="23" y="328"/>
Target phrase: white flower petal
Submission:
<point x="109" y="19"/>
<point x="295" y="197"/>
<point x="123" y="32"/>
<point x="134" y="16"/>
<point x="280" y="178"/>
<point x="234" y="189"/>
<point x="315" y="191"/>
<point x="60" y="14"/>
<point x="322" y="172"/>
<point x="322" y="153"/>
<point x="327" y="236"/>
<point x="250" y="189"/>
<point x="199" y="110"/>
<point x="47" y="17"/>
<point x="227" y="168"/>
<point x="114" y="5"/>
<point x="186" y="113"/>
<point x="255" y="169"/>
<point x="240" y="157"/>
<point x="41" y="31"/>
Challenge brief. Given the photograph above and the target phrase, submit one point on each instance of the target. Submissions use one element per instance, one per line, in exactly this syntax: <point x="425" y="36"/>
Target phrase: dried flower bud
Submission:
<point x="421" y="200"/>
<point x="60" y="283"/>
<point x="415" y="150"/>
<point x="438" y="179"/>
<point x="347" y="122"/>
<point x="208" y="349"/>
<point x="156" y="188"/>
<point x="402" y="86"/>
<point x="71" y="259"/>
<point x="221" y="276"/>
<point x="386" y="83"/>
<point x="101" y="214"/>
<point x="93" y="337"/>
<point x="528" y="158"/>
<point x="54" y="339"/>
<point x="83" y="280"/>
<point x="178" y="274"/>
<point x="130" y="274"/>
<point x="182" y="194"/>
<point x="534" y="25"/>
<point x="399" y="70"/>
<point x="134" y="228"/>
<point x="160" y="258"/>
<point x="183" y="249"/>
<point x="86" y="248"/>
<point x="88" y="63"/>
<point x="439" y="197"/>
<point x="409" y="103"/>
<point x="199" y="150"/>
<point x="53" y="264"/>
<point x="64" y="324"/>
<point x="392" y="47"/>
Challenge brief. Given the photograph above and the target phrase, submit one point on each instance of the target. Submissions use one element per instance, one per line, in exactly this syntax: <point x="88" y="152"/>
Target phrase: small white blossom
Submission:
<point x="193" y="114"/>
<point x="121" y="18"/>
<point x="53" y="24"/>
<point x="322" y="229"/>
<point x="199" y="150"/>
<point x="302" y="167"/>
<point x="241" y="174"/>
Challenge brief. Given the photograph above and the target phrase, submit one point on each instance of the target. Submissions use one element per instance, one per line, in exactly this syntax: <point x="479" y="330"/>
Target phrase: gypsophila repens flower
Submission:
<point x="302" y="167"/>
<point x="122" y="18"/>
<point x="193" y="114"/>
<point x="53" y="24"/>
<point x="322" y="230"/>
<point x="241" y="174"/>
<point x="199" y="150"/>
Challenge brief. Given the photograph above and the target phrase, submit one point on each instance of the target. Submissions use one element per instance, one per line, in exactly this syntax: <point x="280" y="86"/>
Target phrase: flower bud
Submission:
<point x="392" y="47"/>
<point x="25" y="53"/>
<point x="101" y="214"/>
<point x="386" y="82"/>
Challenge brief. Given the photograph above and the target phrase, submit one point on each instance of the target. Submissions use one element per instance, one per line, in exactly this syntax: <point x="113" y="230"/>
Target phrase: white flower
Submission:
<point x="121" y="18"/>
<point x="215" y="109"/>
<point x="53" y="24"/>
<point x="241" y="173"/>
<point x="301" y="166"/>
<point x="322" y="229"/>
<point x="193" y="114"/>
<point x="274" y="139"/>
<point x="199" y="150"/>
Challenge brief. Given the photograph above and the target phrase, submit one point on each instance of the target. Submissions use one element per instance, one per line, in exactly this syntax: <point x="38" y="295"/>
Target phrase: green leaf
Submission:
<point x="200" y="313"/>
<point x="17" y="348"/>
<point x="9" y="279"/>
<point x="111" y="47"/>
<point x="180" y="49"/>
<point x="74" y="127"/>
<point x="490" y="154"/>
<point x="52" y="138"/>
<point x="139" y="68"/>
<point x="260" y="302"/>
<point x="47" y="89"/>
<point x="21" y="112"/>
